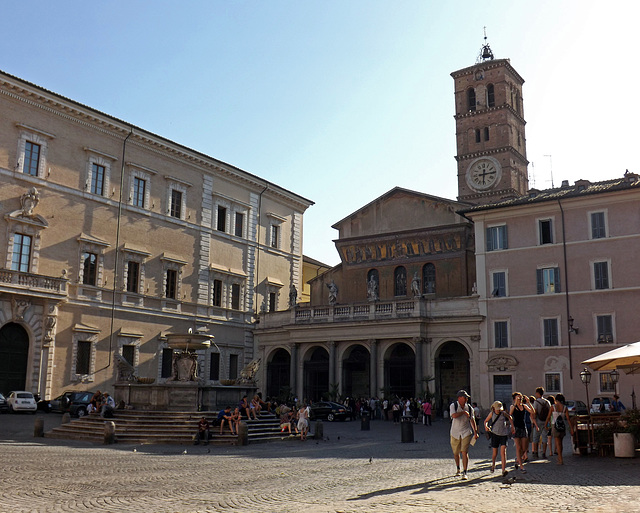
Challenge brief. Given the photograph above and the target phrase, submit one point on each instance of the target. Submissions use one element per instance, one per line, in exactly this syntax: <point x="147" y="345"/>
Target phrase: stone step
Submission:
<point x="161" y="428"/>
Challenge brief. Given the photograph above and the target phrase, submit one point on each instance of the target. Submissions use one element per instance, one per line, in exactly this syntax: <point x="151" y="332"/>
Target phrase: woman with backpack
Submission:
<point x="496" y="423"/>
<point x="559" y="417"/>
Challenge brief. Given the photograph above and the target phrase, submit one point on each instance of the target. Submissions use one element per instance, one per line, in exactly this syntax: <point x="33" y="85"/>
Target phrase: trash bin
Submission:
<point x="406" y="430"/>
<point x="364" y="422"/>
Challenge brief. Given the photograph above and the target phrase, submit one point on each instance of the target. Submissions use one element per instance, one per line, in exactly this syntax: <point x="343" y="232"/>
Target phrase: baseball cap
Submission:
<point x="463" y="393"/>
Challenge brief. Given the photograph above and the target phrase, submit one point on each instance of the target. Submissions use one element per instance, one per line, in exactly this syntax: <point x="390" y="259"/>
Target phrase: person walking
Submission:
<point x="540" y="435"/>
<point x="426" y="409"/>
<point x="463" y="430"/>
<point x="559" y="417"/>
<point x="499" y="424"/>
<point x="521" y="437"/>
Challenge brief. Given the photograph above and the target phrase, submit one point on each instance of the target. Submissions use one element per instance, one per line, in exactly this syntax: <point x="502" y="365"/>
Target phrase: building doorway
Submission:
<point x="452" y="373"/>
<point x="502" y="390"/>
<point x="278" y="375"/>
<point x="316" y="375"/>
<point x="355" y="373"/>
<point x="14" y="355"/>
<point x="400" y="371"/>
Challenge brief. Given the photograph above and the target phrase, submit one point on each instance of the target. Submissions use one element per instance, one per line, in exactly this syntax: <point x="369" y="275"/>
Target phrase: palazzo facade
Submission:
<point x="115" y="237"/>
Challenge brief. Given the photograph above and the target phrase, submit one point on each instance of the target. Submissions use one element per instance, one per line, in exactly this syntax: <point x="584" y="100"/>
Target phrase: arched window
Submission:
<point x="491" y="97"/>
<point x="486" y="133"/>
<point x="429" y="279"/>
<point x="400" y="281"/>
<point x="478" y="135"/>
<point x="471" y="99"/>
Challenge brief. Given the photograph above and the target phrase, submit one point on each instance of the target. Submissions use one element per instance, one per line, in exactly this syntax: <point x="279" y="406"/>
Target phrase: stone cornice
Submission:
<point x="493" y="151"/>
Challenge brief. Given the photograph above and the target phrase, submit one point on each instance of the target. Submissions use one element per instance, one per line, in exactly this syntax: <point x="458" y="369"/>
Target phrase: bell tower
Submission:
<point x="490" y="140"/>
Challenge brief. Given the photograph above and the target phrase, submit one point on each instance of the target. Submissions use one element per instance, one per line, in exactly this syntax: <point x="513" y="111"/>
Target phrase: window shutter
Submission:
<point x="556" y="279"/>
<point x="540" y="283"/>
<point x="489" y="240"/>
<point x="505" y="240"/>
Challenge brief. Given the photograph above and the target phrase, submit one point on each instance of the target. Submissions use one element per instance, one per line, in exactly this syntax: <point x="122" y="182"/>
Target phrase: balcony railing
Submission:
<point x="20" y="282"/>
<point x="427" y="308"/>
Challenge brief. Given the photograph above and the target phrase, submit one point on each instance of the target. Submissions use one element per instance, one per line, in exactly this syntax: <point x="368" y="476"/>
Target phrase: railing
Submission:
<point x="33" y="282"/>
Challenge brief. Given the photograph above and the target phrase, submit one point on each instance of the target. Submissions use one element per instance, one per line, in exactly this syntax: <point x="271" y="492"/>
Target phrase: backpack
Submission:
<point x="559" y="424"/>
<point x="544" y="410"/>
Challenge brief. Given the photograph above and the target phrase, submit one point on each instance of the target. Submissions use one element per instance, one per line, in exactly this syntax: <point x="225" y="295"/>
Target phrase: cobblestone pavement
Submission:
<point x="351" y="470"/>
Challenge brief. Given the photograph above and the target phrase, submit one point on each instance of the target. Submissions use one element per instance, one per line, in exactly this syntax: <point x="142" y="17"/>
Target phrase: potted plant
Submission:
<point x="627" y="434"/>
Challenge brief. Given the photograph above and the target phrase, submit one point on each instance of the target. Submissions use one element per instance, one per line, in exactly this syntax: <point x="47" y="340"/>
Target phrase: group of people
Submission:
<point x="532" y="421"/>
<point x="298" y="417"/>
<point x="101" y="403"/>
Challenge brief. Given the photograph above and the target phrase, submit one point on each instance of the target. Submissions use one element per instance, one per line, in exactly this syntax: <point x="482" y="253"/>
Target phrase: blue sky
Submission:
<point x="340" y="101"/>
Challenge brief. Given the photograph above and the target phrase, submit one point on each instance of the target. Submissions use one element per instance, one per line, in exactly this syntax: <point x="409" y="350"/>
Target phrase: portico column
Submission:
<point x="373" y="367"/>
<point x="418" y="342"/>
<point x="293" y="368"/>
<point x="332" y="362"/>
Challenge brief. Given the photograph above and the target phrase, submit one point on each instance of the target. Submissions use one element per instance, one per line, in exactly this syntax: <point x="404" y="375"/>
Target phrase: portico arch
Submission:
<point x="356" y="372"/>
<point x="279" y="373"/>
<point x="400" y="370"/>
<point x="316" y="374"/>
<point x="14" y="356"/>
<point x="452" y="370"/>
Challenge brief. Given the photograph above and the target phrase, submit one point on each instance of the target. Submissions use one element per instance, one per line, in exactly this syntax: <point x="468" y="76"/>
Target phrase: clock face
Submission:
<point x="483" y="173"/>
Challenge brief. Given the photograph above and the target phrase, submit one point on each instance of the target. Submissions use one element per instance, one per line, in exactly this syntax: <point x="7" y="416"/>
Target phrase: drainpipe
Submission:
<point x="115" y="272"/>
<point x="255" y="280"/>
<point x="566" y="286"/>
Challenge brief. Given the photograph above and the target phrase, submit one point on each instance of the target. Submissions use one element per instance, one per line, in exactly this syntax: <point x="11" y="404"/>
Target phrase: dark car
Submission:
<point x="4" y="407"/>
<point x="329" y="410"/>
<point x="72" y="402"/>
<point x="576" y="407"/>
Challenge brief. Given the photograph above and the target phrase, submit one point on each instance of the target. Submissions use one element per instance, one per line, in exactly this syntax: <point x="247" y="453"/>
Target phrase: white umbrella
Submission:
<point x="626" y="358"/>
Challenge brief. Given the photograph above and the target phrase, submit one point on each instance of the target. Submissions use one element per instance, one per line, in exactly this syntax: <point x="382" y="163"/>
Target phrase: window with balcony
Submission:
<point x="21" y="258"/>
<point x="497" y="238"/>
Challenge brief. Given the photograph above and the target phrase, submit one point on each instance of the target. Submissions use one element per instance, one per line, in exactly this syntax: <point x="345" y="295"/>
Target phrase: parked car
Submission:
<point x="4" y="407"/>
<point x="601" y="404"/>
<point x="22" y="400"/>
<point x="329" y="410"/>
<point x="576" y="407"/>
<point x="73" y="402"/>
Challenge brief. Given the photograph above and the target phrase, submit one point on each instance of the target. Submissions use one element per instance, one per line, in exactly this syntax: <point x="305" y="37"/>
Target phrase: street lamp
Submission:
<point x="585" y="377"/>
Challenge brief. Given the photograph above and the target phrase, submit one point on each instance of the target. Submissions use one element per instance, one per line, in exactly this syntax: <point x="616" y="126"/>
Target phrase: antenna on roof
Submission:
<point x="485" y="52"/>
<point x="550" y="170"/>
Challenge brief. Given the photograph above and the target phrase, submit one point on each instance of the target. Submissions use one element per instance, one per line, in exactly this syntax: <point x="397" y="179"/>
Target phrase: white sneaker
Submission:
<point x="464" y="476"/>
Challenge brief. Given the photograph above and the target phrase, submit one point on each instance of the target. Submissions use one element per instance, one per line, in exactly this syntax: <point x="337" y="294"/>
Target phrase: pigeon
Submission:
<point x="135" y="450"/>
<point x="370" y="460"/>
<point x="184" y="452"/>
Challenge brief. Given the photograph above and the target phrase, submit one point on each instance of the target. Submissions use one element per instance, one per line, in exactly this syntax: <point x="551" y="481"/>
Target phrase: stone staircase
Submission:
<point x="162" y="427"/>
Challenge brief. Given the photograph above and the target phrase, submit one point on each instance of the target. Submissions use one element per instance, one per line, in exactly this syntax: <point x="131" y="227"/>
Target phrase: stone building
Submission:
<point x="116" y="237"/>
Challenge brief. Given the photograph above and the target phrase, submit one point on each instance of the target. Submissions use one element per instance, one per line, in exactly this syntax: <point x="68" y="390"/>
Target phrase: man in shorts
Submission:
<point x="463" y="429"/>
<point x="541" y="434"/>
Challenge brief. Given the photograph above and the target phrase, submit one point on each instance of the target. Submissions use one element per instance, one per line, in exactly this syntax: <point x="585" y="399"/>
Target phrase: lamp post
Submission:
<point x="585" y="377"/>
<point x="615" y="377"/>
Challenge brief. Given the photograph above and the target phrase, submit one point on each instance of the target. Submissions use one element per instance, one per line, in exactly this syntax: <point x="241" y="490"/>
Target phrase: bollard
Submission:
<point x="109" y="432"/>
<point x="66" y="418"/>
<point x="243" y="433"/>
<point x="38" y="427"/>
<point x="319" y="431"/>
